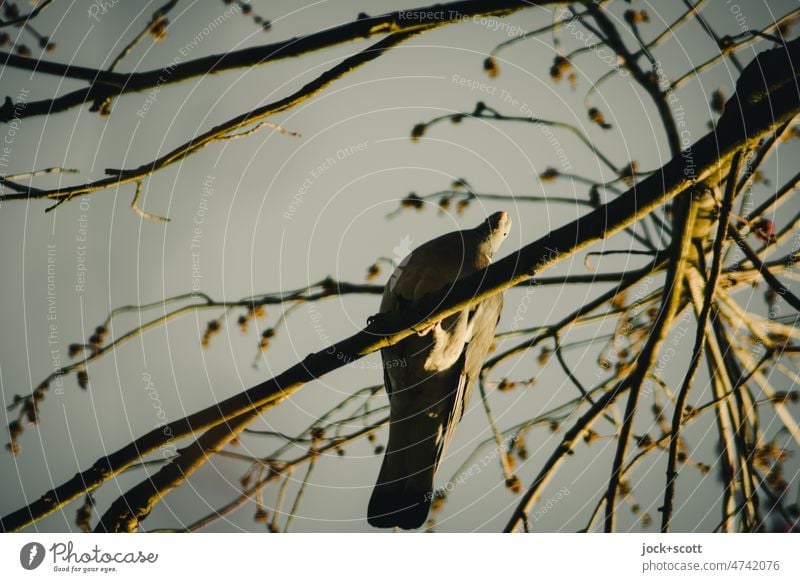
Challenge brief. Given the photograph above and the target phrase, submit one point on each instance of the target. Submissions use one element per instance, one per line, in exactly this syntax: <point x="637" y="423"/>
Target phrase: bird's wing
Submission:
<point x="393" y="356"/>
<point x="428" y="268"/>
<point x="482" y="323"/>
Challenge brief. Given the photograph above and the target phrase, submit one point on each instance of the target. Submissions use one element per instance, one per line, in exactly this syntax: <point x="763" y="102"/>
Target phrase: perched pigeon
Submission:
<point x="429" y="376"/>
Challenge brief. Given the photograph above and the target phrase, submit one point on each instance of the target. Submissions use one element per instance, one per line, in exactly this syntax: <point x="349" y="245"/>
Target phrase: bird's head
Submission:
<point x="493" y="231"/>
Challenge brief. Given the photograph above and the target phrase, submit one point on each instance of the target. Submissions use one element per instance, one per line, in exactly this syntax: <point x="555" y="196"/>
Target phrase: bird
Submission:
<point x="430" y="375"/>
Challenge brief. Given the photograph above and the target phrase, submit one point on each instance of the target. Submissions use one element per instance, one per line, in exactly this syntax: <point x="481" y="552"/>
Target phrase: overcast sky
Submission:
<point x="275" y="212"/>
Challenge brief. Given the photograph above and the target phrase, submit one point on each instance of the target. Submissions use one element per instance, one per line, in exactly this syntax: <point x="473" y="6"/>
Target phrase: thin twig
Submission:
<point x="139" y="211"/>
<point x="25" y="18"/>
<point x="769" y="278"/>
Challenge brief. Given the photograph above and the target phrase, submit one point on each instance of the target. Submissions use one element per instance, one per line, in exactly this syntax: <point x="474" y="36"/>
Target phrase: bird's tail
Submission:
<point x="402" y="496"/>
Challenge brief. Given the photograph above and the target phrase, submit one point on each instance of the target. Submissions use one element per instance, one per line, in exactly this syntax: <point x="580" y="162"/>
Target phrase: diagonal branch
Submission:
<point x="118" y="177"/>
<point x="25" y="18"/>
<point x="106" y="84"/>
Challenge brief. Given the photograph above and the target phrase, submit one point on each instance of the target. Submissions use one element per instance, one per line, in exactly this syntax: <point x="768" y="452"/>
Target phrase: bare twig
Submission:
<point x="769" y="278"/>
<point x="139" y="211"/>
<point x="25" y="18"/>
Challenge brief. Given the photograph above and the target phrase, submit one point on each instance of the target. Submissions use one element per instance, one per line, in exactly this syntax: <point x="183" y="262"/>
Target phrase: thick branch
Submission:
<point x="106" y="84"/>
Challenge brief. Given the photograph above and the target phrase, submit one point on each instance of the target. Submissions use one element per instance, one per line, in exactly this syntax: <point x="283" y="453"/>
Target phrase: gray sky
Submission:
<point x="272" y="212"/>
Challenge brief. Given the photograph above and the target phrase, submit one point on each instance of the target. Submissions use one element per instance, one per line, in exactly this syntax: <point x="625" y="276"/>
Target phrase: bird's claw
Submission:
<point x="435" y="327"/>
<point x="377" y="318"/>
